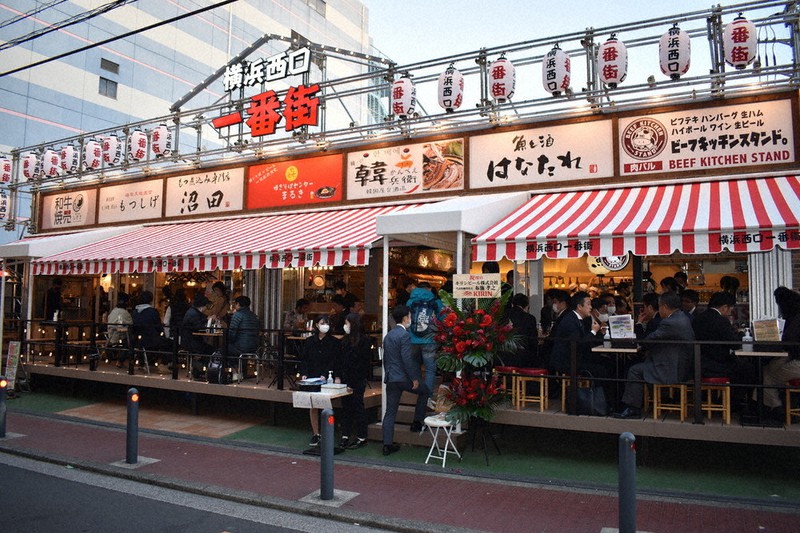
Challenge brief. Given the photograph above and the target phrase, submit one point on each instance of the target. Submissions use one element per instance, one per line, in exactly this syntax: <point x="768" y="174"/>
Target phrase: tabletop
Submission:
<point x="603" y="349"/>
<point x="760" y="354"/>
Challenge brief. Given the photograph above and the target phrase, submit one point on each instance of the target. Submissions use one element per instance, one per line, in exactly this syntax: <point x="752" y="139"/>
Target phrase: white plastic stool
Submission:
<point x="438" y="452"/>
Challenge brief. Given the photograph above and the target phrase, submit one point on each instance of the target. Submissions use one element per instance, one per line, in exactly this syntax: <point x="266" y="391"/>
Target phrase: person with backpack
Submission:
<point x="425" y="306"/>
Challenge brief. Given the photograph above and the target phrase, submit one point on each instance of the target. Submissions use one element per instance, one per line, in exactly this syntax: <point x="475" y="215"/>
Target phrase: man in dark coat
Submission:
<point x="525" y="326"/>
<point x="147" y="328"/>
<point x="571" y="328"/>
<point x="195" y="320"/>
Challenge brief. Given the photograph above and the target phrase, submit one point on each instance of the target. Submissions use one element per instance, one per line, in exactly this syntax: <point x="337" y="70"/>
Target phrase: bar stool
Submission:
<point x="660" y="406"/>
<point x="792" y="387"/>
<point x="504" y="373"/>
<point x="715" y="396"/>
<point x="565" y="381"/>
<point x="440" y="422"/>
<point x="531" y="375"/>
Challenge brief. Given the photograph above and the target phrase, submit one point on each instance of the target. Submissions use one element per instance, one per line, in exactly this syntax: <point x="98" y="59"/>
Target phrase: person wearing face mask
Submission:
<point x="599" y="315"/>
<point x="319" y="355"/>
<point x="611" y="305"/>
<point x="355" y="364"/>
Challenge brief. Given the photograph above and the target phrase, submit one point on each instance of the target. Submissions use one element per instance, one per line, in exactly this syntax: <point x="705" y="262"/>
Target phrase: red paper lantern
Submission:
<point x="404" y="97"/>
<point x="675" y="52"/>
<point x="556" y="71"/>
<point x="740" y="40"/>
<point x="5" y="170"/>
<point x="112" y="150"/>
<point x="137" y="145"/>
<point x="451" y="89"/>
<point x="612" y="62"/>
<point x="51" y="163"/>
<point x="69" y="159"/>
<point x="162" y="140"/>
<point x="502" y="79"/>
<point x="92" y="155"/>
<point x="30" y="166"/>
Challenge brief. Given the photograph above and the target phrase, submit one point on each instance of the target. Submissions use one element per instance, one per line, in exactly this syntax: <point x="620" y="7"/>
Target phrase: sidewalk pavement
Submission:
<point x="400" y="497"/>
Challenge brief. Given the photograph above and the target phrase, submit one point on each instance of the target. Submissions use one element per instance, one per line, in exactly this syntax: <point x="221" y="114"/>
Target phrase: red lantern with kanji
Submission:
<point x="556" y="71"/>
<point x="51" y="163"/>
<point x="451" y="89"/>
<point x="112" y="150"/>
<point x="92" y="155"/>
<point x="740" y="40"/>
<point x="404" y="97"/>
<point x="675" y="51"/>
<point x="612" y="62"/>
<point x="69" y="159"/>
<point x="162" y="140"/>
<point x="137" y="145"/>
<point x="5" y="170"/>
<point x="30" y="166"/>
<point x="502" y="79"/>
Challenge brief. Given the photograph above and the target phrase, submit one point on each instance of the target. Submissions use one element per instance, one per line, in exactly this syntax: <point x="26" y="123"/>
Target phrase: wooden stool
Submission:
<point x="521" y="380"/>
<point x="659" y="405"/>
<point x="507" y="373"/>
<point x="792" y="387"/>
<point x="719" y="389"/>
<point x="582" y="384"/>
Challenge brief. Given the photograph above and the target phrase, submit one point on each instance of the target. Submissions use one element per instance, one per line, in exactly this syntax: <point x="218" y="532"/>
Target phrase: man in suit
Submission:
<point x="571" y="327"/>
<point x="665" y="362"/>
<point x="718" y="360"/>
<point x="401" y="373"/>
<point x="689" y="300"/>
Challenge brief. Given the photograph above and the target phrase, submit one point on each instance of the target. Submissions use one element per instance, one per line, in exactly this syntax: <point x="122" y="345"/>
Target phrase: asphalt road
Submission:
<point x="41" y="497"/>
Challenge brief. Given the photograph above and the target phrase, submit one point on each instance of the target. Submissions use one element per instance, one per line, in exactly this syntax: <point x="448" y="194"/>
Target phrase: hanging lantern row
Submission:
<point x="107" y="150"/>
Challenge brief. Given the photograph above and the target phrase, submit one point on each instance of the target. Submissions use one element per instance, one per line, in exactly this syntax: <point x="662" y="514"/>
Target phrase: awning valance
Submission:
<point x="746" y="215"/>
<point x="326" y="238"/>
<point x="36" y="246"/>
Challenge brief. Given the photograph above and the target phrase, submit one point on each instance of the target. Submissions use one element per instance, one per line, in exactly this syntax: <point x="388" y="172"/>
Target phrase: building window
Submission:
<point x="317" y="5"/>
<point x="110" y="66"/>
<point x="108" y="88"/>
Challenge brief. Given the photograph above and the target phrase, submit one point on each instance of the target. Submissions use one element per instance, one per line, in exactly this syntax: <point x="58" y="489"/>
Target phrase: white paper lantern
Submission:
<point x="675" y="52"/>
<point x="404" y="97"/>
<point x="162" y="140"/>
<point x="112" y="150"/>
<point x="451" y="89"/>
<point x="69" y="159"/>
<point x="556" y="71"/>
<point x="612" y="62"/>
<point x="92" y="155"/>
<point x="740" y="40"/>
<point x="51" y="163"/>
<point x="137" y="145"/>
<point x="30" y="166"/>
<point x="5" y="170"/>
<point x="502" y="79"/>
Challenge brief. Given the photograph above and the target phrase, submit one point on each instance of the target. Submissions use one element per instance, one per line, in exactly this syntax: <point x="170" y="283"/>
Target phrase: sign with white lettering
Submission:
<point x="738" y="135"/>
<point x="69" y="209"/>
<point x="476" y="285"/>
<point x="205" y="193"/>
<point x="140" y="200"/>
<point x="12" y="362"/>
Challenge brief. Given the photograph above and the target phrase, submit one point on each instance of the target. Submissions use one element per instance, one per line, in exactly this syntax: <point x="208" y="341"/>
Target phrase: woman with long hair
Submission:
<point x="782" y="369"/>
<point x="355" y="365"/>
<point x="320" y="351"/>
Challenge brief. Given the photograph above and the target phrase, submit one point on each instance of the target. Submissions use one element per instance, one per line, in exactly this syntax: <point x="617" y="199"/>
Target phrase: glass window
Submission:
<point x="108" y="88"/>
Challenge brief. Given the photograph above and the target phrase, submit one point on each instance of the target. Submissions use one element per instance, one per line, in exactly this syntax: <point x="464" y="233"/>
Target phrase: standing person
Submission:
<point x="525" y="326"/>
<point x="665" y="363"/>
<point x="355" y="364"/>
<point x="178" y="305"/>
<point x="147" y="328"/>
<point x="119" y="320"/>
<point x="401" y="373"/>
<point x="52" y="300"/>
<point x="319" y="356"/>
<point x="425" y="306"/>
<point x="782" y="369"/>
<point x="682" y="280"/>
<point x="348" y="299"/>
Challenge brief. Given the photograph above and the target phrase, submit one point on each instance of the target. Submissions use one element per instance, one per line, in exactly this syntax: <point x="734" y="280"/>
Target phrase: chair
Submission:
<point x="792" y="387"/>
<point x="531" y="375"/>
<point x="504" y="373"/>
<point x="715" y="397"/>
<point x="679" y="405"/>
<point x="439" y="422"/>
<point x="565" y="382"/>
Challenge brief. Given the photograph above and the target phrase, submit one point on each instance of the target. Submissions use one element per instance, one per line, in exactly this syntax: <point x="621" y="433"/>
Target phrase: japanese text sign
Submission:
<point x="205" y="193"/>
<point x="718" y="137"/>
<point x="3" y="204"/>
<point x="69" y="209"/>
<point x="476" y="285"/>
<point x="300" y="108"/>
<point x="272" y="68"/>
<point x="303" y="181"/>
<point x="542" y="155"/>
<point x="131" y="201"/>
<point x="405" y="170"/>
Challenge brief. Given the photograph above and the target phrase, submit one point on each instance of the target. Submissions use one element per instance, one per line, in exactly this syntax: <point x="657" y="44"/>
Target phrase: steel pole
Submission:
<point x="326" y="454"/>
<point x="627" y="483"/>
<point x="132" y="434"/>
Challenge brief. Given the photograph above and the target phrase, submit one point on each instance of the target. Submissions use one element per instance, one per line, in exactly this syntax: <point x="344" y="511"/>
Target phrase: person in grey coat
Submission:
<point x="401" y="373"/>
<point x="665" y="363"/>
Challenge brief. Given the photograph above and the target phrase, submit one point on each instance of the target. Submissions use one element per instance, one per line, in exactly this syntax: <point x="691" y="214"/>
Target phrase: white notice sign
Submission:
<point x="476" y="285"/>
<point x="131" y="201"/>
<point x="205" y="193"/>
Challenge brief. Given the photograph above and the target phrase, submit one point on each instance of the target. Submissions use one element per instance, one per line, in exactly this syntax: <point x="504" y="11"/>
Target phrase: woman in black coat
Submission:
<point x="319" y="355"/>
<point x="354" y="365"/>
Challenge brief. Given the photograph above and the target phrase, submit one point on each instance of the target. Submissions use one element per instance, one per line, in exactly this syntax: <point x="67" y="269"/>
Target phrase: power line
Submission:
<point x="123" y="36"/>
<point x="39" y="9"/>
<point x="81" y="17"/>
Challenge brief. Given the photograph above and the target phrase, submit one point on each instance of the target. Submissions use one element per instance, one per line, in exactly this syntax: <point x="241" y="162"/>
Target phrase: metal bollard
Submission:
<point x="132" y="434"/>
<point x="3" y="386"/>
<point x="326" y="454"/>
<point x="627" y="483"/>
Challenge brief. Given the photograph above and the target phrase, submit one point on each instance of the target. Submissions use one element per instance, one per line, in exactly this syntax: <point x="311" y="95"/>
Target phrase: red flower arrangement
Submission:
<point x="474" y="396"/>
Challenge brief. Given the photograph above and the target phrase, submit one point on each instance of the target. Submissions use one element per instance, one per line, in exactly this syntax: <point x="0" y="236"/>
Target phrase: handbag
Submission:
<point x="217" y="373"/>
<point x="591" y="401"/>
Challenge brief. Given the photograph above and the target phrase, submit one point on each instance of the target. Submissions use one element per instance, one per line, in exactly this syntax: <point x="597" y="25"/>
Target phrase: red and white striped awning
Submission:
<point x="747" y="215"/>
<point x="326" y="238"/>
